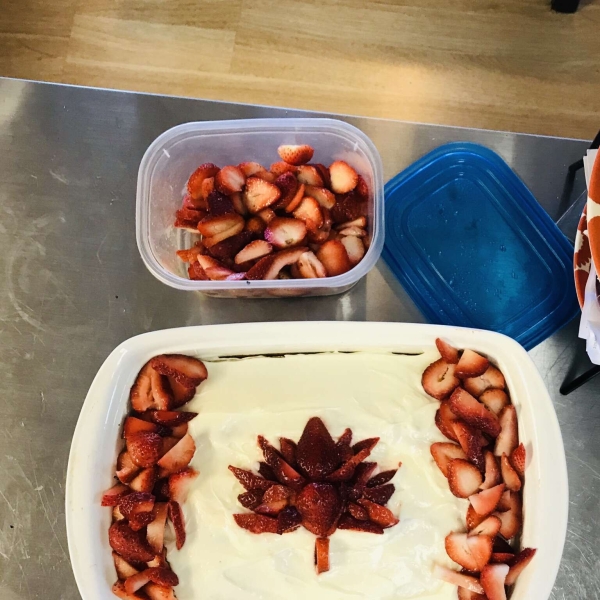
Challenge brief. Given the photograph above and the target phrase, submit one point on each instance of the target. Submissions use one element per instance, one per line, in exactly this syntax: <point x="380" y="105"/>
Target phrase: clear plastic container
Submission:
<point x="174" y="155"/>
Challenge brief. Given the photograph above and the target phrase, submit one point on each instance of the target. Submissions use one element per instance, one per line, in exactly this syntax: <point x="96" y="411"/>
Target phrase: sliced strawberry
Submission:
<point x="133" y="425"/>
<point x="123" y="568"/>
<point x="322" y="555"/>
<point x="324" y="173"/>
<point x="474" y="413"/>
<point x="322" y="195"/>
<point x="176" y="517"/>
<point x="178" y="457"/>
<point x="518" y="458"/>
<point x="190" y="255"/>
<point x="358" y="512"/>
<point x="182" y="393"/>
<point x="117" y="515"/>
<point x="508" y="439"/>
<point x="208" y="187"/>
<point x="113" y="496"/>
<point x="288" y="449"/>
<point x="249" y="480"/>
<point x="518" y="563"/>
<point x="471" y="364"/>
<point x="295" y="154"/>
<point x="439" y="380"/>
<point x="169" y="442"/>
<point x="162" y="576"/>
<point x="445" y="420"/>
<point x="260" y="194"/>
<point x="279" y="168"/>
<point x="194" y="184"/>
<point x="492" y="378"/>
<point x="309" y="175"/>
<point x="288" y="520"/>
<point x="159" y="592"/>
<point x="229" y="247"/>
<point x="155" y="532"/>
<point x="319" y="504"/>
<point x="473" y="519"/>
<point x="171" y="418"/>
<point x="293" y="203"/>
<point x="136" y="503"/>
<point x="309" y="212"/>
<point x="382" y="478"/>
<point x="471" y="441"/>
<point x="354" y="247"/>
<point x="178" y="432"/>
<point x="251" y="499"/>
<point x="492" y="471"/>
<point x="196" y="272"/>
<point x="137" y="581"/>
<point x="380" y="494"/>
<point x="131" y="545"/>
<point x="238" y="204"/>
<point x="511" y="519"/>
<point x="490" y="526"/>
<point x="362" y="223"/>
<point x="449" y="353"/>
<point x="144" y="448"/>
<point x="352" y="232"/>
<point x="343" y="177"/>
<point x="186" y="218"/>
<point x="256" y="523"/>
<point x="464" y="594"/>
<point x="362" y="189"/>
<point x="213" y="226"/>
<point x="334" y="257"/>
<point x="363" y="471"/>
<point x="187" y="370"/>
<point x="179" y="484"/>
<point x="463" y="477"/>
<point x="472" y="552"/>
<point x="222" y="273"/>
<point x="144" y="481"/>
<point x="270" y="266"/>
<point x="274" y="500"/>
<point x="348" y="522"/>
<point x="219" y="204"/>
<point x="251" y="168"/>
<point x="140" y="395"/>
<point x="118" y="589"/>
<point x="288" y="185"/>
<point x="229" y="179"/>
<point x="284" y="473"/>
<point x="362" y="450"/>
<point x="310" y="267"/>
<point x="283" y="232"/>
<point x="380" y="515"/>
<point x="265" y="470"/>
<point x="501" y="557"/>
<point x="509" y="475"/>
<point x="455" y="578"/>
<point x="347" y="208"/>
<point x="253" y="251"/>
<point x="266" y="215"/>
<point x="493" y="578"/>
<point x="486" y="501"/>
<point x="444" y="452"/>
<point x="495" y="400"/>
<point x="161" y="392"/>
<point x="316" y="452"/>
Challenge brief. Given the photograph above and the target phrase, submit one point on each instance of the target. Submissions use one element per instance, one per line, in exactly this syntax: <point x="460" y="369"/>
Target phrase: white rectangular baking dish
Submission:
<point x="95" y="442"/>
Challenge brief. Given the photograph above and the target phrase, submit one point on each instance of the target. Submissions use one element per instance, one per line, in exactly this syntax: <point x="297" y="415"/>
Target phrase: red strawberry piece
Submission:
<point x="445" y="419"/>
<point x="267" y="215"/>
<point x="190" y="255"/>
<point x="292" y="204"/>
<point x="251" y="168"/>
<point x="310" y="267"/>
<point x="288" y="185"/>
<point x="509" y="475"/>
<point x="345" y="439"/>
<point x="194" y="184"/>
<point x="133" y="425"/>
<point x="309" y="175"/>
<point x="144" y="448"/>
<point x="186" y="218"/>
<point x="284" y="472"/>
<point x="347" y="470"/>
<point x="135" y="582"/>
<point x="493" y="578"/>
<point x="229" y="247"/>
<point x="309" y="212"/>
<point x="274" y="500"/>
<point x="222" y="273"/>
<point x="130" y="544"/>
<point x="140" y="396"/>
<point x="169" y="442"/>
<point x="362" y="223"/>
<point x="471" y="364"/>
<point x="159" y="592"/>
<point x="319" y="504"/>
<point x="144" y="481"/>
<point x="270" y="266"/>
<point x="382" y="478"/>
<point x="518" y="458"/>
<point x="518" y="563"/>
<point x="316" y="453"/>
<point x="260" y="194"/>
<point x="322" y="555"/>
<point x="123" y="568"/>
<point x="161" y="392"/>
<point x="492" y="471"/>
<point x="196" y="272"/>
<point x="113" y="496"/>
<point x="469" y="409"/>
<point x="249" y="480"/>
<point x="347" y="208"/>
<point x="380" y="494"/>
<point x="288" y="450"/>
<point x="494" y="399"/>
<point x="162" y="576"/>
<point x="219" y="204"/>
<point x="251" y="499"/>
<point x="187" y="370"/>
<point x="238" y="204"/>
<point x="288" y="520"/>
<point x="256" y="523"/>
<point x="472" y="552"/>
<point x="471" y="441"/>
<point x="324" y="173"/>
<point x="182" y="393"/>
<point x="136" y="503"/>
<point x="464" y="594"/>
<point x="213" y="226"/>
<point x="439" y="380"/>
<point x="502" y="557"/>
<point x="265" y="470"/>
<point x="343" y="177"/>
<point x="473" y="519"/>
<point x="354" y="248"/>
<point x="223" y="236"/>
<point x="380" y="515"/>
<point x="508" y="439"/>
<point x="362" y="473"/>
<point x="283" y="232"/>
<point x="208" y="187"/>
<point x="464" y="478"/>
<point x="489" y="526"/>
<point x="178" y="457"/>
<point x="118" y="589"/>
<point x="449" y="353"/>
<point x="281" y="167"/>
<point x="492" y="378"/>
<point x="486" y="501"/>
<point x="348" y="522"/>
<point x="179" y="484"/>
<point x="362" y="189"/>
<point x="444" y="452"/>
<point x="322" y="195"/>
<point x="352" y="232"/>
<point x="334" y="257"/>
<point x="358" y="512"/>
<point x="295" y="154"/>
<point x="155" y="531"/>
<point x="176" y="517"/>
<point x="116" y="514"/>
<point x="171" y="418"/>
<point x="511" y="522"/>
<point x="455" y="578"/>
<point x="229" y="179"/>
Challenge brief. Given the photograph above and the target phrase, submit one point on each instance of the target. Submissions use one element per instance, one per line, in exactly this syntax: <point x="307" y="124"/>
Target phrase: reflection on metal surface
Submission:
<point x="73" y="287"/>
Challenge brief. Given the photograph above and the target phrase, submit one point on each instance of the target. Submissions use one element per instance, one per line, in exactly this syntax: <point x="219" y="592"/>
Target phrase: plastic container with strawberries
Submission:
<point x="177" y="153"/>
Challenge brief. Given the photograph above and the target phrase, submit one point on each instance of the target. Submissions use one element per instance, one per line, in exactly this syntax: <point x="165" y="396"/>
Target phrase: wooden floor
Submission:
<point x="497" y="64"/>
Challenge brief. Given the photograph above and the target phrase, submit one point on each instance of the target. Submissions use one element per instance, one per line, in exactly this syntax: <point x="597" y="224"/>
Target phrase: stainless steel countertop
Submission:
<point x="73" y="287"/>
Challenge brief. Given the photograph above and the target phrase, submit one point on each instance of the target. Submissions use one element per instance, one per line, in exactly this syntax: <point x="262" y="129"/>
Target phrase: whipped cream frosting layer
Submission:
<point x="373" y="394"/>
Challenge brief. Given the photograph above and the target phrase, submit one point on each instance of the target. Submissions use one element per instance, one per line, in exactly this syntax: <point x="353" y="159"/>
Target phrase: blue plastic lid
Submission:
<point x="472" y="246"/>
